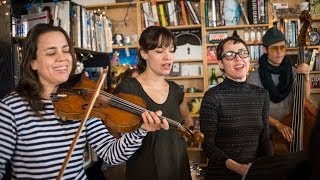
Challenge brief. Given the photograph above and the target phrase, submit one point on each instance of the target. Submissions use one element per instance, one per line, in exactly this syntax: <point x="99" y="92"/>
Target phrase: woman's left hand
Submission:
<point x="152" y="122"/>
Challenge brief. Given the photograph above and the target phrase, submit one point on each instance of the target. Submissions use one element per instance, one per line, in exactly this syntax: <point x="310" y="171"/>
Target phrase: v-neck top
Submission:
<point x="163" y="154"/>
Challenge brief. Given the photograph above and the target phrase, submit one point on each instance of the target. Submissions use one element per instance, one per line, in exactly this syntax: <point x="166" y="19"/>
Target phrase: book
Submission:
<point x="162" y="16"/>
<point x="244" y="13"/>
<point x="252" y="9"/>
<point x="184" y="20"/>
<point x="155" y="12"/>
<point x="232" y="12"/>
<point x="192" y="12"/>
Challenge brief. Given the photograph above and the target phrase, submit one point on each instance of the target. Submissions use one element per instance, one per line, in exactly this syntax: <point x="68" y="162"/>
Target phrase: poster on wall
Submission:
<point x="188" y="44"/>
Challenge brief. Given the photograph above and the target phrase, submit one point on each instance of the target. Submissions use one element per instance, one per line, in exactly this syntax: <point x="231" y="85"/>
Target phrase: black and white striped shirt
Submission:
<point x="36" y="146"/>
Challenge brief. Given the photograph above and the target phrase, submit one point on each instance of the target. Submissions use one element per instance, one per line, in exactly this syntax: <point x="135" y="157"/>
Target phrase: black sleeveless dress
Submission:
<point x="163" y="154"/>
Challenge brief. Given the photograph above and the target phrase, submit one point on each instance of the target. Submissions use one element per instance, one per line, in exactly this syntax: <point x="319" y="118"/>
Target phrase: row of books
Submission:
<point x="172" y="13"/>
<point x="91" y="30"/>
<point x="290" y="28"/>
<point x="229" y="12"/>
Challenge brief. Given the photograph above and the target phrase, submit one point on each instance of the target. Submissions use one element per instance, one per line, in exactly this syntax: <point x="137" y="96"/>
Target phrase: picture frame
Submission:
<point x="175" y="70"/>
<point x="216" y="37"/>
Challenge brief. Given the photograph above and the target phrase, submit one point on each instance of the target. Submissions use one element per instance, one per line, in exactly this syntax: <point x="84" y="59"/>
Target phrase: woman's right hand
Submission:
<point x="286" y="131"/>
<point x="152" y="122"/>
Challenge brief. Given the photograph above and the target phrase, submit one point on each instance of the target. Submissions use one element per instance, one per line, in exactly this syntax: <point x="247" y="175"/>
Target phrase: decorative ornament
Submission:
<point x="314" y="38"/>
<point x="79" y="67"/>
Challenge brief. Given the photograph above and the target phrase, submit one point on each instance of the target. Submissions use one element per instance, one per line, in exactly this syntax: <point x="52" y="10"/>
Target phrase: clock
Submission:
<point x="314" y="37"/>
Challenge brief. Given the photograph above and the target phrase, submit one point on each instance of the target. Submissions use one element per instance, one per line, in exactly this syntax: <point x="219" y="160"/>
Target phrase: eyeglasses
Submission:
<point x="275" y="49"/>
<point x="230" y="55"/>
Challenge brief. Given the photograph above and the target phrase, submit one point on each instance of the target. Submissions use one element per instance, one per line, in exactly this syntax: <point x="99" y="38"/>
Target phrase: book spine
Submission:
<point x="244" y="14"/>
<point x="155" y="12"/>
<point x="183" y="13"/>
<point x="252" y="10"/>
<point x="193" y="12"/>
<point x="163" y="19"/>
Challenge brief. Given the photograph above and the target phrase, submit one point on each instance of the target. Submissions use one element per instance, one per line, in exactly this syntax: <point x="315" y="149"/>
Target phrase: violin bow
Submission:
<point x="83" y="122"/>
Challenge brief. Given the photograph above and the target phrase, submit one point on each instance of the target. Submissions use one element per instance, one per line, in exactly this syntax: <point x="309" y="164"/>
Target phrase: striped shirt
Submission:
<point x="37" y="146"/>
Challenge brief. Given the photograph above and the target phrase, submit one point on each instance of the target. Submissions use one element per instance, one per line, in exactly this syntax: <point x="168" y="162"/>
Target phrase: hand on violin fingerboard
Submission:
<point x="152" y="122"/>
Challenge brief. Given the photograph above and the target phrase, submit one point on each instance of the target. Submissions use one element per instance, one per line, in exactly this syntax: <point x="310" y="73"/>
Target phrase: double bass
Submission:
<point x="304" y="111"/>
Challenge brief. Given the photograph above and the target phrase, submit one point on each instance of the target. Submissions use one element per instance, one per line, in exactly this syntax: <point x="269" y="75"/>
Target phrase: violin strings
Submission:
<point x="131" y="107"/>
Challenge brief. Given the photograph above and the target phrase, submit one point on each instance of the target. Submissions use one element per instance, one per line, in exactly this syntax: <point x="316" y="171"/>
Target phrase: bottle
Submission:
<point x="213" y="78"/>
<point x="246" y="35"/>
<point x="252" y="35"/>
<point x="258" y="35"/>
<point x="13" y="27"/>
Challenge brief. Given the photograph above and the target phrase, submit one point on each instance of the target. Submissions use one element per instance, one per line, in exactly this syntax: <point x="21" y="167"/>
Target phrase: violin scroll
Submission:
<point x="195" y="137"/>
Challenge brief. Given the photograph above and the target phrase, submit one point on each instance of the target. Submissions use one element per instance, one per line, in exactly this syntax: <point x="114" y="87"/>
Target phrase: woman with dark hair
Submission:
<point x="163" y="154"/>
<point x="234" y="116"/>
<point x="32" y="137"/>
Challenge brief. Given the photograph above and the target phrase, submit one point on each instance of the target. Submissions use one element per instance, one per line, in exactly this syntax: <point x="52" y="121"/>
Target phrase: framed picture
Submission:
<point x="216" y="37"/>
<point x="175" y="71"/>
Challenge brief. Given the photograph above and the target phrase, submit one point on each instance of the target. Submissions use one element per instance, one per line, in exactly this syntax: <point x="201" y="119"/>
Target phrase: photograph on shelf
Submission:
<point x="191" y="69"/>
<point x="315" y="82"/>
<point x="188" y="44"/>
<point x="175" y="71"/>
<point x="212" y="54"/>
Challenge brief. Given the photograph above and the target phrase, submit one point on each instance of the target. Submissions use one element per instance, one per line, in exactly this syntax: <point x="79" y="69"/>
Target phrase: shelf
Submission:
<point x="315" y="90"/>
<point x="124" y="47"/>
<point x="235" y="27"/>
<point x="194" y="115"/>
<point x="82" y="50"/>
<point x="313" y="47"/>
<point x="187" y="60"/>
<point x="111" y="5"/>
<point x="184" y="77"/>
<point x="194" y="148"/>
<point x="314" y="72"/>
<point x="192" y="26"/>
<point x="291" y="48"/>
<point x="194" y="95"/>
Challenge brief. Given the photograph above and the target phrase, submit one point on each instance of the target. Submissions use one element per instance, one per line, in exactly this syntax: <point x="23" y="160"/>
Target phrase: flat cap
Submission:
<point x="273" y="35"/>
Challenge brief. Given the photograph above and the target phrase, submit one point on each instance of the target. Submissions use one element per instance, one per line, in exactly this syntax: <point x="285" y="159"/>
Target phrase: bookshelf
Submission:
<point x="128" y="20"/>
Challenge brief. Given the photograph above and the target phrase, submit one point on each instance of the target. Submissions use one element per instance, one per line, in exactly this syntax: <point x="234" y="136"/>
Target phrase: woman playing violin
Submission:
<point x="163" y="154"/>
<point x="36" y="141"/>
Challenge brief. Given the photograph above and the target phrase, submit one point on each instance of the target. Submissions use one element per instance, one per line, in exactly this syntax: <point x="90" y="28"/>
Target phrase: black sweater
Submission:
<point x="234" y="120"/>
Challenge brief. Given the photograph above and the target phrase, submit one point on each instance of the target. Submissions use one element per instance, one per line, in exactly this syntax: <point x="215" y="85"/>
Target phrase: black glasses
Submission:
<point x="230" y="55"/>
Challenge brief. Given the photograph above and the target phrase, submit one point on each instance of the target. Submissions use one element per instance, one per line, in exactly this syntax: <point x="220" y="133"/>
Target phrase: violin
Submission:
<point x="120" y="112"/>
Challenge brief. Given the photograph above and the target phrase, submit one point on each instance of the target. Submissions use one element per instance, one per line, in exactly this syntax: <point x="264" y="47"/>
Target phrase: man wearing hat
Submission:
<point x="276" y="74"/>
